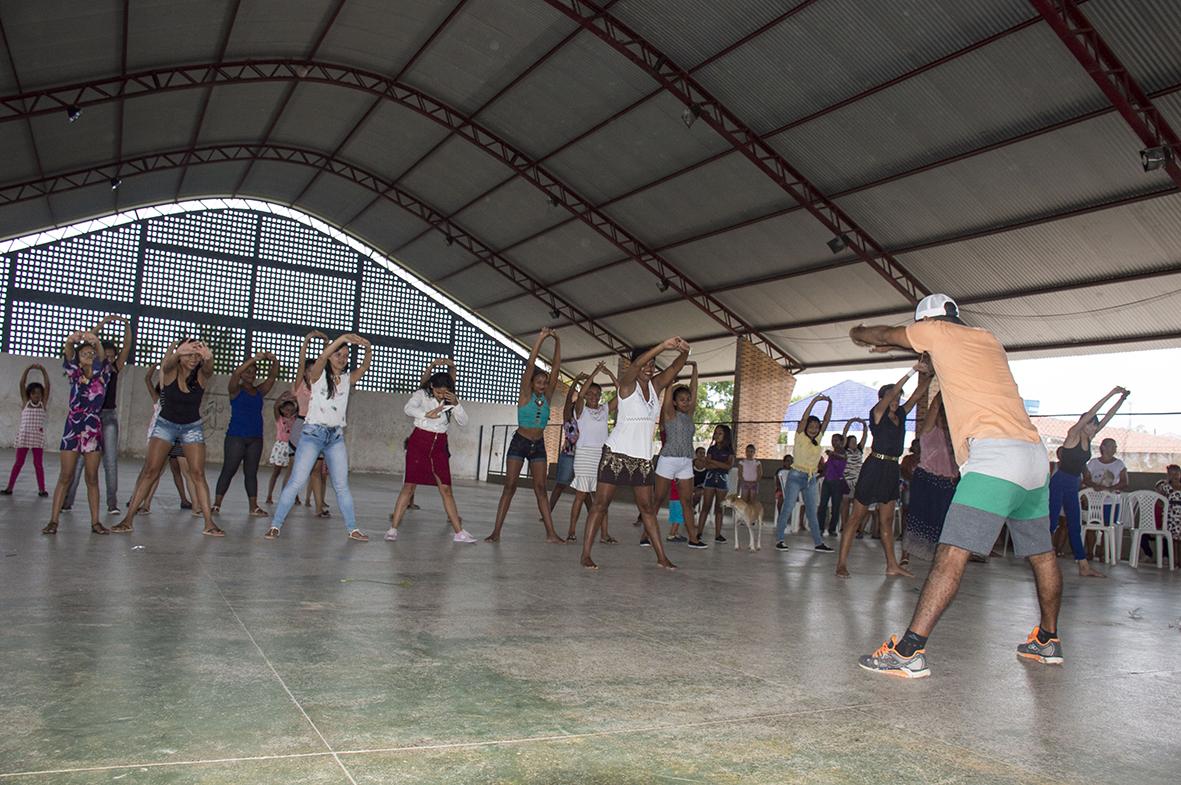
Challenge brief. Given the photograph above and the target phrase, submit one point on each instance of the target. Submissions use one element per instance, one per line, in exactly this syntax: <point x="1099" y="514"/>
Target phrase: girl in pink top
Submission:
<point x="932" y="486"/>
<point x="31" y="435"/>
<point x="285" y="411"/>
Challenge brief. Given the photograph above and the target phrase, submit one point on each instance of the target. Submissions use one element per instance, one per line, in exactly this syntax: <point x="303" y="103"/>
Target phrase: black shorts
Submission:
<point x="618" y="469"/>
<point x="878" y="483"/>
<point x="526" y="450"/>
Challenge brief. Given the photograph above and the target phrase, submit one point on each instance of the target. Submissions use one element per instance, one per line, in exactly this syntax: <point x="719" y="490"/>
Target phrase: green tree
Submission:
<point x="715" y="404"/>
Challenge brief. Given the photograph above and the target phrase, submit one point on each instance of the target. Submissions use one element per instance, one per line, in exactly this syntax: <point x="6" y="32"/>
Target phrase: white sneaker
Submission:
<point x="463" y="536"/>
<point x="391" y="535"/>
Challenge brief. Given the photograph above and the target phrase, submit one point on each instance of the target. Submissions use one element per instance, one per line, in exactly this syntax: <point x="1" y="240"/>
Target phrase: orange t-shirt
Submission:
<point x="979" y="394"/>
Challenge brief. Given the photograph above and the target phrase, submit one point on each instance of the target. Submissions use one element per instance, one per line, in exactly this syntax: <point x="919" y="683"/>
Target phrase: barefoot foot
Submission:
<point x="492" y="538"/>
<point x="899" y="571"/>
<point x="666" y="564"/>
<point x="842" y="571"/>
<point x="554" y="539"/>
<point x="588" y="564"/>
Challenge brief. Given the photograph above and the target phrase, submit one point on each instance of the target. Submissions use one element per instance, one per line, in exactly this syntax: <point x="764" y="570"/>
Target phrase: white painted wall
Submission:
<point x="376" y="425"/>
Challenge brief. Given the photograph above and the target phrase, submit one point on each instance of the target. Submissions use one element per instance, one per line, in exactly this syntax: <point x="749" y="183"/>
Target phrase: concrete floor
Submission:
<point x="317" y="660"/>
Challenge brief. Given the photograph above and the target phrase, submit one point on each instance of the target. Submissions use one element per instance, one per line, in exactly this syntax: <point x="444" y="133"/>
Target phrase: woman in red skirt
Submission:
<point x="434" y="408"/>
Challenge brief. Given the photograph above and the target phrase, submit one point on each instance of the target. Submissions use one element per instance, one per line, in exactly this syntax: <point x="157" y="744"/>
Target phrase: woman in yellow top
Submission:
<point x="804" y="475"/>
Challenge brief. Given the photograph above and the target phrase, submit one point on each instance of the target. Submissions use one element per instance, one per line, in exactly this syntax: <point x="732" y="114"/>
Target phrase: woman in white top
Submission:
<point x="627" y="453"/>
<point x="323" y="432"/>
<point x="591" y="416"/>
<point x="434" y="408"/>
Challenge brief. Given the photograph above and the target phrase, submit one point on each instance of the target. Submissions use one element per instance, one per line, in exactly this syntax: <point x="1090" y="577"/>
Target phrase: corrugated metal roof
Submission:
<point x="276" y="28"/>
<point x="1018" y="84"/>
<point x="453" y="175"/>
<point x="1084" y="164"/>
<point x="1139" y="237"/>
<point x="381" y="36"/>
<point x="1144" y="34"/>
<point x="837" y="48"/>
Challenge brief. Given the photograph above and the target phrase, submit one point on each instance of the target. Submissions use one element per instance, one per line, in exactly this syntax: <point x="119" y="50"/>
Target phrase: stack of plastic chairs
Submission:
<point x="1142" y="506"/>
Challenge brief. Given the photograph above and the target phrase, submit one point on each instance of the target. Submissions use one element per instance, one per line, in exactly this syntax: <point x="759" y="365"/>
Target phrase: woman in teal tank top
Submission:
<point x="528" y="443"/>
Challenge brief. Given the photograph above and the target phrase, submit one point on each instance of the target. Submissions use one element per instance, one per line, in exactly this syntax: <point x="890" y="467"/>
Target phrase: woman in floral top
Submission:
<point x="1170" y="488"/>
<point x="88" y="373"/>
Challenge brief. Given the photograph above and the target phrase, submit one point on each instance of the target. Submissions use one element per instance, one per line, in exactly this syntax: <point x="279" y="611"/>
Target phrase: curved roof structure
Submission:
<point x="631" y="170"/>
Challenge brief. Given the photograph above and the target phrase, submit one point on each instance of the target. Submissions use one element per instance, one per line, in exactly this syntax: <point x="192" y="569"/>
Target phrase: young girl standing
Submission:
<point x="528" y="443"/>
<point x="674" y="467"/>
<point x="184" y="374"/>
<point x="804" y="477"/>
<point x="719" y="459"/>
<point x="281" y="452"/>
<point x="88" y="372"/>
<point x="591" y="416"/>
<point x="31" y="435"/>
<point x="752" y="471"/>
<point x="323" y="432"/>
<point x="434" y="407"/>
<point x="627" y="454"/>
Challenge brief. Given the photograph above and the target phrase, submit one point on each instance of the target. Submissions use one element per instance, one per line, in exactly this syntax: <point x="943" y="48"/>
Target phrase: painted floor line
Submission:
<point x="444" y="745"/>
<point x="282" y="683"/>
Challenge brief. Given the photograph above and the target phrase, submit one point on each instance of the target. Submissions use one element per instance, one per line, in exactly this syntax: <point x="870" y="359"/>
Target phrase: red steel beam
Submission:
<point x="455" y="234"/>
<point x="325" y="27"/>
<point x="790" y="12"/>
<point x="682" y="85"/>
<point x="1124" y="92"/>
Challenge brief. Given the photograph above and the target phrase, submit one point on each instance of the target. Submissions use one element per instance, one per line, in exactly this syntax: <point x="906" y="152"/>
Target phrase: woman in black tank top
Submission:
<point x="184" y="374"/>
<point x="1064" y="485"/>
<point x="879" y="479"/>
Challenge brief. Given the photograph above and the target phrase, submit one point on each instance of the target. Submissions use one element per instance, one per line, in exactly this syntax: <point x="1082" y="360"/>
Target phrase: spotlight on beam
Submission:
<point x="664" y="284"/>
<point x="838" y="243"/>
<point x="115" y="183"/>
<point x="1155" y="158"/>
<point x="449" y="239"/>
<point x="690" y="115"/>
<point x="73" y="112"/>
<point x="554" y="201"/>
<point x="554" y="312"/>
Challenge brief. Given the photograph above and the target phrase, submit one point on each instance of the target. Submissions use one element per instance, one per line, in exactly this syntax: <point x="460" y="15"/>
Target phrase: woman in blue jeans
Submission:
<point x="804" y="476"/>
<point x="1072" y="461"/>
<point x="323" y="432"/>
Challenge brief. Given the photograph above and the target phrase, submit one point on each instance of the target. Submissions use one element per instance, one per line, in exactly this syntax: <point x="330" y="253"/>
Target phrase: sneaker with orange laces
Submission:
<point x="888" y="662"/>
<point x="1048" y="653"/>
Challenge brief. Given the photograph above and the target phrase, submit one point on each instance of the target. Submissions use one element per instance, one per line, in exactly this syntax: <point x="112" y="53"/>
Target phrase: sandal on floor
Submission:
<point x="98" y="528"/>
<point x="214" y="532"/>
<point x="121" y="528"/>
<point x="323" y="514"/>
<point x="50" y="528"/>
<point x="572" y="538"/>
<point x="215" y="509"/>
<point x="272" y="533"/>
<point x="358" y="535"/>
<point x="259" y="512"/>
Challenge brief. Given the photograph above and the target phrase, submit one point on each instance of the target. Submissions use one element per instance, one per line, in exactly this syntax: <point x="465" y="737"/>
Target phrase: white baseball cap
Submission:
<point x="935" y="305"/>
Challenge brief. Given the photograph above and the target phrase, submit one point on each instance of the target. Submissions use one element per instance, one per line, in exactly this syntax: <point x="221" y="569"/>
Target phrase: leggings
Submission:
<point x="1064" y="499"/>
<point x="38" y="467"/>
<point x="239" y="449"/>
<point x="831" y="491"/>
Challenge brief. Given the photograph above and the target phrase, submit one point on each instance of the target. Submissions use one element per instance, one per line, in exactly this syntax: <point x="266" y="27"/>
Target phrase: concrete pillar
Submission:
<point x="762" y="392"/>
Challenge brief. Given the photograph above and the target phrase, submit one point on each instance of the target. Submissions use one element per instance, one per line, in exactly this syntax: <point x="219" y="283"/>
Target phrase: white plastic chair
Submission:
<point x="1142" y="507"/>
<point x="1092" y="502"/>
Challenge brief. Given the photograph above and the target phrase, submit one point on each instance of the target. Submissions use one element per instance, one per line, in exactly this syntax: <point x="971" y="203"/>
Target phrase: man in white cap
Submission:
<point x="1004" y="479"/>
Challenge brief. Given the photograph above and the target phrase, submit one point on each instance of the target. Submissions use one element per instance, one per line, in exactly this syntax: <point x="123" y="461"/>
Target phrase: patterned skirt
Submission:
<point x="930" y="499"/>
<point x="615" y="468"/>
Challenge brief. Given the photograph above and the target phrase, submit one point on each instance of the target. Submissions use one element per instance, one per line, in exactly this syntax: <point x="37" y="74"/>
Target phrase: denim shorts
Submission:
<point x="173" y="433"/>
<point x="526" y="450"/>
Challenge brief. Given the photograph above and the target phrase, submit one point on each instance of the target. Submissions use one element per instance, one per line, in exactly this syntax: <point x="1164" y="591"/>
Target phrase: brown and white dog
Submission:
<point x="749" y="514"/>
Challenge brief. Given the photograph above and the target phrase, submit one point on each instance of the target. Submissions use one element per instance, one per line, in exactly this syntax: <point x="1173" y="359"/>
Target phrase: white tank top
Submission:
<point x="592" y="427"/>
<point x="326" y="411"/>
<point x="635" y="424"/>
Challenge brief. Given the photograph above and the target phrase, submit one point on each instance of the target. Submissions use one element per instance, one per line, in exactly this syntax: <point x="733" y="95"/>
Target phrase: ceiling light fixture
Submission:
<point x="554" y="312"/>
<point x="691" y="113"/>
<point x="554" y="201"/>
<point x="1154" y="158"/>
<point x="449" y="239"/>
<point x="115" y="183"/>
<point x="838" y="243"/>
<point x="664" y="284"/>
<point x="73" y="112"/>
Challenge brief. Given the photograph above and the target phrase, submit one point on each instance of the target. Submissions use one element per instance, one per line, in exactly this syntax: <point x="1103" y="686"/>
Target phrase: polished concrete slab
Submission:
<point x="313" y="659"/>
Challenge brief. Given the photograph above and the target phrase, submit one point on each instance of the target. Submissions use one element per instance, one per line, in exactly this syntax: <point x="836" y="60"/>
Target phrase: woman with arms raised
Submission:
<point x="323" y="432"/>
<point x="627" y="454"/>
<point x="184" y="375"/>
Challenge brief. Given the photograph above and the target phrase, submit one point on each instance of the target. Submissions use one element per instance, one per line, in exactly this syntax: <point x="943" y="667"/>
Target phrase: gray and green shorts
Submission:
<point x="1005" y="482"/>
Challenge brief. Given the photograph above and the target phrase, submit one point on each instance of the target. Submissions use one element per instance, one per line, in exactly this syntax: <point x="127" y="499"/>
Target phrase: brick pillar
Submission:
<point x="762" y="392"/>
